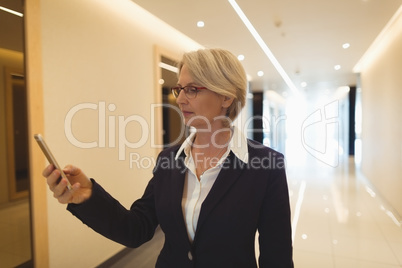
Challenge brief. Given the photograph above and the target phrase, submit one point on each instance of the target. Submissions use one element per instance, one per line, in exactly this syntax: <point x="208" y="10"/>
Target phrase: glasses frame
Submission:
<point x="186" y="91"/>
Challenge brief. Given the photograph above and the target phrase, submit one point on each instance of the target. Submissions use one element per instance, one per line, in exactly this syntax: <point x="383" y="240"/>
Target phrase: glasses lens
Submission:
<point x="191" y="92"/>
<point x="176" y="91"/>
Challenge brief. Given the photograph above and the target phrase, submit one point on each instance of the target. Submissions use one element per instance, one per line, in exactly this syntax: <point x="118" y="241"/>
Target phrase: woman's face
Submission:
<point x="206" y="109"/>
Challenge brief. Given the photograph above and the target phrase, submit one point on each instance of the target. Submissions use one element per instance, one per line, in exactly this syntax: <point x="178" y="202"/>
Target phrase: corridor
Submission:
<point x="338" y="219"/>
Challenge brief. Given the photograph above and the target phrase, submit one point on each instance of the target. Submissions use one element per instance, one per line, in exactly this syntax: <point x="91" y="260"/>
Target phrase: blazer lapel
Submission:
<point x="228" y="175"/>
<point x="177" y="179"/>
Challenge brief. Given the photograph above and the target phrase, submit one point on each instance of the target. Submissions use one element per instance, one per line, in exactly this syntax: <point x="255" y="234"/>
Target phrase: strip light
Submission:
<point x="168" y="67"/>
<point x="264" y="46"/>
<point x="11" y="11"/>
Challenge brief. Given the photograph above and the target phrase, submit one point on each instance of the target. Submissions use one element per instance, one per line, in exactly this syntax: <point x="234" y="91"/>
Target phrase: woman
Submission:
<point x="210" y="194"/>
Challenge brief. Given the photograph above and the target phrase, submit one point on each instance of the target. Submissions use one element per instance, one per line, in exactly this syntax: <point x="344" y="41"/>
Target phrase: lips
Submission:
<point x="186" y="113"/>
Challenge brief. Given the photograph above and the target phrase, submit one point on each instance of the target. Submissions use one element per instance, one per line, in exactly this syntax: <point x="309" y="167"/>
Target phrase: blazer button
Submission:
<point x="190" y="256"/>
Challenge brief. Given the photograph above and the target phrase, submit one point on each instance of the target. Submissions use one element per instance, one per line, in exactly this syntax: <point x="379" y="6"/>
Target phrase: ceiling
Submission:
<point x="305" y="36"/>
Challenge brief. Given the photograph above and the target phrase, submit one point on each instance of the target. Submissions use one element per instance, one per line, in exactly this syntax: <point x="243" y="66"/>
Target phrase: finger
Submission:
<point x="60" y="188"/>
<point x="69" y="195"/>
<point x="65" y="196"/>
<point x="53" y="179"/>
<point x="46" y="172"/>
<point x="71" y="170"/>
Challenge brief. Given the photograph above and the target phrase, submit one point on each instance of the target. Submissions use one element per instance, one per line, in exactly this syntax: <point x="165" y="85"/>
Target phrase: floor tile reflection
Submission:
<point x="342" y="222"/>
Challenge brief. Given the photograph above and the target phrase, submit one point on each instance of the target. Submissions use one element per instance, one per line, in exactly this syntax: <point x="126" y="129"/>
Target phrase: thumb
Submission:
<point x="71" y="170"/>
<point x="76" y="187"/>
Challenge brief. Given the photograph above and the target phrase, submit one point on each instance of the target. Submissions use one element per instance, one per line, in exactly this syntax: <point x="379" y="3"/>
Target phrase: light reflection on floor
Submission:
<point x="341" y="220"/>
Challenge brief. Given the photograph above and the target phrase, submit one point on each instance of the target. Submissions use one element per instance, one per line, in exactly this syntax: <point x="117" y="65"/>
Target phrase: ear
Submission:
<point x="227" y="101"/>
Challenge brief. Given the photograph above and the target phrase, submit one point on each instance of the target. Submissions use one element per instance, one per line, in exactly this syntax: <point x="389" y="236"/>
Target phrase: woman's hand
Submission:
<point x="81" y="186"/>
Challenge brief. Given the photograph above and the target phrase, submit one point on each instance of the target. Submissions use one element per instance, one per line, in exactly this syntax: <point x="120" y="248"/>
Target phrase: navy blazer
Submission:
<point x="244" y="198"/>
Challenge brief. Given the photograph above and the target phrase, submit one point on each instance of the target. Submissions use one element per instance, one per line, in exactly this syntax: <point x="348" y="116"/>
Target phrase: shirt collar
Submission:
<point x="238" y="145"/>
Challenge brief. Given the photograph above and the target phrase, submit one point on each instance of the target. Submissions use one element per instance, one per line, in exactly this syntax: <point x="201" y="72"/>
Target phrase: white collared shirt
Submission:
<point x="195" y="191"/>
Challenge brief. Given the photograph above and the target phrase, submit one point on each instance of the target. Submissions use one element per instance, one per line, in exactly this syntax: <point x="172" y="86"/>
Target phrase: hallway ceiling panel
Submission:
<point x="305" y="36"/>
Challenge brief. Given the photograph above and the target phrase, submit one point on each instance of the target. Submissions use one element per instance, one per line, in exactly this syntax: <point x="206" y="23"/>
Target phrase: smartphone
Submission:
<point x="52" y="160"/>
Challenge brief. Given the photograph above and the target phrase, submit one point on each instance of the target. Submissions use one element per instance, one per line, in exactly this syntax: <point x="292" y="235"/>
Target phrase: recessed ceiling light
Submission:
<point x="337" y="67"/>
<point x="240" y="57"/>
<point x="346" y="45"/>
<point x="260" y="73"/>
<point x="200" y="24"/>
<point x="303" y="84"/>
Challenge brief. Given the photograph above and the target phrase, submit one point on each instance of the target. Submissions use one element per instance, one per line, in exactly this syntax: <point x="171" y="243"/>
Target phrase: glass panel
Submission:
<point x="174" y="131"/>
<point x="15" y="224"/>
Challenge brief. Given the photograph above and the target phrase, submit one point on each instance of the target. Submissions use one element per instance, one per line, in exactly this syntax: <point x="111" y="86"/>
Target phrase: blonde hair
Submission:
<point x="221" y="72"/>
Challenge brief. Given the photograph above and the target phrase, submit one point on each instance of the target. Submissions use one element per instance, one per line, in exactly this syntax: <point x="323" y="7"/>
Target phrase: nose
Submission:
<point x="181" y="98"/>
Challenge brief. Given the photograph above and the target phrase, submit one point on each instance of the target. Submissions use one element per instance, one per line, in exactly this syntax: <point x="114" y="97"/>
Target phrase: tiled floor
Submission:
<point x="339" y="220"/>
<point x="15" y="235"/>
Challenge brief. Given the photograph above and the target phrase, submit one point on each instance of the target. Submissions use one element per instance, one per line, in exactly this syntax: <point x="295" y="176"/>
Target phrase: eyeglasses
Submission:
<point x="190" y="91"/>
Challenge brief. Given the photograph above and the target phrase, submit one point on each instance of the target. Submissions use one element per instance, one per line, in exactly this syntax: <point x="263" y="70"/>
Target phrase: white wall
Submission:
<point x="381" y="83"/>
<point x="98" y="51"/>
